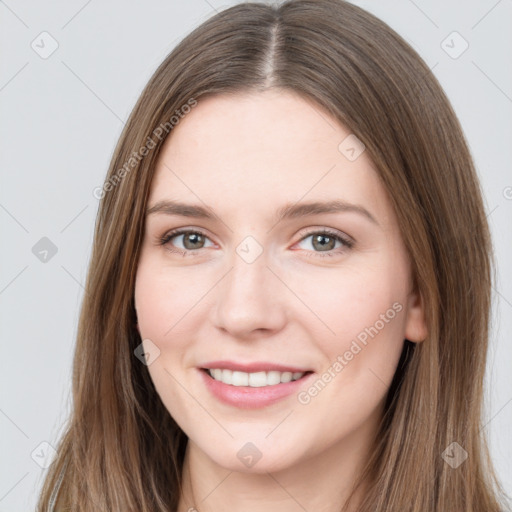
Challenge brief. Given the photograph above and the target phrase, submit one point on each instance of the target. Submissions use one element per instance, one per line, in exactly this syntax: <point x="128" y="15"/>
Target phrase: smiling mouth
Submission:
<point x="254" y="379"/>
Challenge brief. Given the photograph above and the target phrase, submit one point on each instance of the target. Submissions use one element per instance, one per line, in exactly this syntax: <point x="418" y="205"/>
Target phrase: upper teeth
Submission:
<point x="255" y="380"/>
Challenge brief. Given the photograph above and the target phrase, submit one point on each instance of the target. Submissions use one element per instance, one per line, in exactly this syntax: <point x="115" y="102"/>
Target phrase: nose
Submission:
<point x="250" y="300"/>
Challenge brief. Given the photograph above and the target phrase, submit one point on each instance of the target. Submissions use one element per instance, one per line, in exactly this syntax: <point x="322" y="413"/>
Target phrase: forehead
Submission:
<point x="267" y="148"/>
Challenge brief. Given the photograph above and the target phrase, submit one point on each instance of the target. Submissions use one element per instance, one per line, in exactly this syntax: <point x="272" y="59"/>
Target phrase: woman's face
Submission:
<point x="257" y="284"/>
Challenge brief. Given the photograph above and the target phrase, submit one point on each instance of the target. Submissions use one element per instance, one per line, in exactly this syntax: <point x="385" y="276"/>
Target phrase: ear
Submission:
<point x="415" y="326"/>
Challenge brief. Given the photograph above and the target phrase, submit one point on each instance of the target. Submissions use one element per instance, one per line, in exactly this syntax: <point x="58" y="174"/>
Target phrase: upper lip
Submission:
<point x="257" y="366"/>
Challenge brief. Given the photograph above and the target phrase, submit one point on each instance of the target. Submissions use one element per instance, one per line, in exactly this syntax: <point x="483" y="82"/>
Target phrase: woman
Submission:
<point x="288" y="296"/>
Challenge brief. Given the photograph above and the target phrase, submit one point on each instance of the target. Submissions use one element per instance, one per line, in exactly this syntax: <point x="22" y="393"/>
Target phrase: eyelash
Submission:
<point x="165" y="239"/>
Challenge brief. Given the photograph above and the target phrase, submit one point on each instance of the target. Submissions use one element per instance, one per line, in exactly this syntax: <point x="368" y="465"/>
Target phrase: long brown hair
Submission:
<point x="122" y="451"/>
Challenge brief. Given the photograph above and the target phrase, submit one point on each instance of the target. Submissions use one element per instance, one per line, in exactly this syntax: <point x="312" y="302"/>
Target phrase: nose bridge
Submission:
<point x="248" y="277"/>
<point x="249" y="297"/>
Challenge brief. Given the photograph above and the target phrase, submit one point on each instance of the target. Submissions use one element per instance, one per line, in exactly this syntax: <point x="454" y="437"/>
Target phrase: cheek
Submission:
<point x="164" y="297"/>
<point x="164" y="303"/>
<point x="349" y="301"/>
<point x="361" y="332"/>
<point x="365" y="308"/>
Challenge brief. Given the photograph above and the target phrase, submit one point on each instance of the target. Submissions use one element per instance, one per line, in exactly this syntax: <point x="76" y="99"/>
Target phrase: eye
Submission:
<point x="325" y="240"/>
<point x="192" y="241"/>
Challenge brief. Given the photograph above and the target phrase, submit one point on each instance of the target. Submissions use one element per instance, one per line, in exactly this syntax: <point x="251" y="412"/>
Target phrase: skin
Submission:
<point x="245" y="156"/>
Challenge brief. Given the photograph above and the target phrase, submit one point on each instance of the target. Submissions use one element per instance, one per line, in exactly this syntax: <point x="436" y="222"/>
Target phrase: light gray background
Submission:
<point x="60" y="119"/>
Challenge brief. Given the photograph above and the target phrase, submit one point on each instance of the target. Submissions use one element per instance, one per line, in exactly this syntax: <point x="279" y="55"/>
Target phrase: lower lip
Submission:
<point x="247" y="397"/>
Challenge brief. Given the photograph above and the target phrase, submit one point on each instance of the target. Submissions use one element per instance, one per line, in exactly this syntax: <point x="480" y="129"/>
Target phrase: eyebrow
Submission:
<point x="288" y="211"/>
